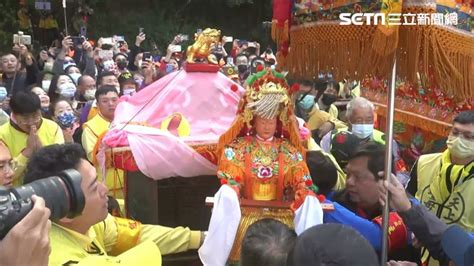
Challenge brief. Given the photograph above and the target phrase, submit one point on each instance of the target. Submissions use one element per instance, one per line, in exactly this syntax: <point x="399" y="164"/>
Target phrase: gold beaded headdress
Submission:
<point x="267" y="95"/>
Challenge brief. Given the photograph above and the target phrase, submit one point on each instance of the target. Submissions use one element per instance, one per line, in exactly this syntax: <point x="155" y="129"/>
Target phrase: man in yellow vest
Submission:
<point x="444" y="182"/>
<point x="94" y="237"/>
<point x="27" y="131"/>
<point x="360" y="116"/>
<point x="107" y="99"/>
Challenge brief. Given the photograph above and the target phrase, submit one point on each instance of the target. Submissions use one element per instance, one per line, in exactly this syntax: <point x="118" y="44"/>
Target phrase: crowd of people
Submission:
<point x="57" y="103"/>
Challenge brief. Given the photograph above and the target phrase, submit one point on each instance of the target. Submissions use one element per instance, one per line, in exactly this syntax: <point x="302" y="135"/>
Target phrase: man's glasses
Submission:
<point x="8" y="166"/>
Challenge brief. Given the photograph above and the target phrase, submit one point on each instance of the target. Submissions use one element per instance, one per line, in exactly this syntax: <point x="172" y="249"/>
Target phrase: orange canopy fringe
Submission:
<point x="445" y="53"/>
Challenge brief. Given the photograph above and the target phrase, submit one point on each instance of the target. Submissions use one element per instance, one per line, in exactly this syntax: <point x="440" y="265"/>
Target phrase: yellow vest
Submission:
<point x="49" y="133"/>
<point x="68" y="246"/>
<point x="458" y="208"/>
<point x="114" y="177"/>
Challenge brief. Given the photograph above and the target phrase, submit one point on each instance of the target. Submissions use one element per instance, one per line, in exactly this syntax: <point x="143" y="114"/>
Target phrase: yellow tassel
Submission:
<point x="274" y="30"/>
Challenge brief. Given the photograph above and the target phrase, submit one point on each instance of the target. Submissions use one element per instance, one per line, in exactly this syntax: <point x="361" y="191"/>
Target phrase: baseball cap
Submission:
<point x="458" y="245"/>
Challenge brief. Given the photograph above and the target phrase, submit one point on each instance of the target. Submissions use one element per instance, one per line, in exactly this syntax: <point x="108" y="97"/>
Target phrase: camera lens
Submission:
<point x="62" y="195"/>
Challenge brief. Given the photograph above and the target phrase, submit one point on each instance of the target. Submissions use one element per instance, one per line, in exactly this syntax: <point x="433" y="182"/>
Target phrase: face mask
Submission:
<point x="307" y="102"/>
<point x="460" y="147"/>
<point x="67" y="90"/>
<point x="109" y="65"/>
<point x="89" y="95"/>
<point x="44" y="110"/>
<point x="329" y="99"/>
<point x="128" y="91"/>
<point x="3" y="94"/>
<point x="75" y="76"/>
<point x="66" y="119"/>
<point x="242" y="68"/>
<point x="363" y="131"/>
<point x="45" y="85"/>
<point x="169" y="68"/>
<point x="122" y="64"/>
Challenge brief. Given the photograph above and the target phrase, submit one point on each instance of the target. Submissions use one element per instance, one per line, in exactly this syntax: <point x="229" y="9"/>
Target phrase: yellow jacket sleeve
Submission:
<point x="88" y="141"/>
<point x="171" y="240"/>
<point x="333" y="111"/>
<point x="121" y="235"/>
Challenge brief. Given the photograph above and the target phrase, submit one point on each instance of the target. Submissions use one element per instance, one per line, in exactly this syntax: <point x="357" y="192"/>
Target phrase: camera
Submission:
<point x="62" y="195"/>
<point x="77" y="40"/>
<point x="20" y="38"/>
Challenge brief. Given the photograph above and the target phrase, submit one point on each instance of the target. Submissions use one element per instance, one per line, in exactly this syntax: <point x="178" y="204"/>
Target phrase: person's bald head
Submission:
<point x="86" y="82"/>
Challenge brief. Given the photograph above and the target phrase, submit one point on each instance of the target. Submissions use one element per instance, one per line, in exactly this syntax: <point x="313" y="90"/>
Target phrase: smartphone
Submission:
<point x="184" y="37"/>
<point x="147" y="56"/>
<point x="77" y="40"/>
<point x="252" y="45"/>
<point x="109" y="41"/>
<point x="20" y="38"/>
<point x="120" y="38"/>
<point x="242" y="42"/>
<point x="198" y="31"/>
<point x="227" y="39"/>
<point x="175" y="48"/>
<point x="141" y="30"/>
<point x="83" y="31"/>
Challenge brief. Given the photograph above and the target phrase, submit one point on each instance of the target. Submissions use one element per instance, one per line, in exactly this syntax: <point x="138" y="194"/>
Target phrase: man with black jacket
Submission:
<point x="14" y="77"/>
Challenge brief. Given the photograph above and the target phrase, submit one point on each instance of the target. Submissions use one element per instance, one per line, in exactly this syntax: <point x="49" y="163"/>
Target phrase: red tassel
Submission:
<point x="259" y="68"/>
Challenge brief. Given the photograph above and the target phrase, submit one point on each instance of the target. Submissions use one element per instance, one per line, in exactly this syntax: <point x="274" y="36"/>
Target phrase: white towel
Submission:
<point x="223" y="227"/>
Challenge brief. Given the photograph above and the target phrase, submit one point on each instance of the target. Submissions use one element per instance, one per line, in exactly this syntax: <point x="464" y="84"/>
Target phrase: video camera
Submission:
<point x="62" y="195"/>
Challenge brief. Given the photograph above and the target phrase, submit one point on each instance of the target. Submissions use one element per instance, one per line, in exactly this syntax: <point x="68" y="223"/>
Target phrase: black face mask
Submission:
<point x="242" y="68"/>
<point x="329" y="99"/>
<point x="122" y="64"/>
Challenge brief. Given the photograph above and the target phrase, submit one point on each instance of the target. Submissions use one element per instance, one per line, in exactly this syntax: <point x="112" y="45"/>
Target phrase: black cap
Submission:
<point x="343" y="146"/>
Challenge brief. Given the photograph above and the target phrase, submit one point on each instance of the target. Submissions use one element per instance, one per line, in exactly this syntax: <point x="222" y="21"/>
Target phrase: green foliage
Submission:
<point x="8" y="23"/>
<point x="162" y="20"/>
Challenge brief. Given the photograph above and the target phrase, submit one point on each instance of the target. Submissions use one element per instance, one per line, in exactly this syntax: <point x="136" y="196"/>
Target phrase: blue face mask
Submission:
<point x="3" y="94"/>
<point x="307" y="103"/>
<point x="66" y="119"/>
<point x="363" y="131"/>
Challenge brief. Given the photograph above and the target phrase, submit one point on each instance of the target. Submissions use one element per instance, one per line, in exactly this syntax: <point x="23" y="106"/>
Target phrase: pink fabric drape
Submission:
<point x="204" y="99"/>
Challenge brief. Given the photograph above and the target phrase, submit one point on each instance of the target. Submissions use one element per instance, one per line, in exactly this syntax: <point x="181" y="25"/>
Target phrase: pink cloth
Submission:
<point x="204" y="99"/>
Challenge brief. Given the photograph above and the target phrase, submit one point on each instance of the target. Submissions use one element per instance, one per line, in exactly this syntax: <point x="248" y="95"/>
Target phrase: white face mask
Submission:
<point x="67" y="90"/>
<point x="362" y="131"/>
<point x="75" y="77"/>
<point x="127" y="91"/>
<point x="89" y="95"/>
<point x="460" y="147"/>
<point x="45" y="85"/>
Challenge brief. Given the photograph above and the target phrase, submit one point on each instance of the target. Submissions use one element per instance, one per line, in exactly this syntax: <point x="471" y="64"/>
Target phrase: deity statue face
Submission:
<point x="265" y="128"/>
